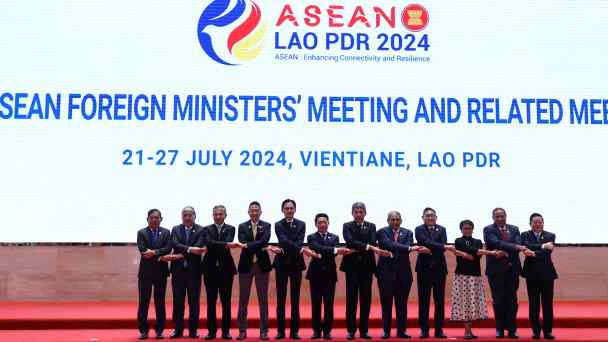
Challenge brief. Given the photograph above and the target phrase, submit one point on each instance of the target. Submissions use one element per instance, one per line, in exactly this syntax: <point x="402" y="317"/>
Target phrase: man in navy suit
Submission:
<point x="323" y="276"/>
<point x="360" y="268"/>
<point x="431" y="272"/>
<point x="254" y="264"/>
<point x="188" y="245"/>
<point x="153" y="242"/>
<point x="219" y="270"/>
<point x="289" y="266"/>
<point x="395" y="272"/>
<point x="503" y="271"/>
<point x="540" y="275"/>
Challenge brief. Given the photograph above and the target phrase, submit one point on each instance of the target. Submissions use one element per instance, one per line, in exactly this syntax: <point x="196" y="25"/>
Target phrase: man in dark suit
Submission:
<point x="540" y="276"/>
<point x="323" y="276"/>
<point x="219" y="270"/>
<point x="395" y="273"/>
<point x="431" y="272"/>
<point x="503" y="272"/>
<point x="188" y="245"/>
<point x="289" y="266"/>
<point x="153" y="242"/>
<point x="254" y="264"/>
<point x="360" y="268"/>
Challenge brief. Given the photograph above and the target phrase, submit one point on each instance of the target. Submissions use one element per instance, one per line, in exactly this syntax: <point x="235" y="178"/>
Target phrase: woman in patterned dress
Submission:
<point x="468" y="298"/>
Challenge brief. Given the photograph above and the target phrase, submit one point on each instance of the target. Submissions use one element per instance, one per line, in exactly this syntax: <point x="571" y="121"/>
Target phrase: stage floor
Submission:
<point x="122" y="335"/>
<point x="122" y="315"/>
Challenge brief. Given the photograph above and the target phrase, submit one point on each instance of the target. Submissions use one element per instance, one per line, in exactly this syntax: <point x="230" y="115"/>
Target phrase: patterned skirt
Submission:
<point x="468" y="299"/>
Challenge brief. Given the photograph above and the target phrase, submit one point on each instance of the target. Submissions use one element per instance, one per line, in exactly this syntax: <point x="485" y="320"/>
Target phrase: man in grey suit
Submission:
<point x="188" y="245"/>
<point x="254" y="265"/>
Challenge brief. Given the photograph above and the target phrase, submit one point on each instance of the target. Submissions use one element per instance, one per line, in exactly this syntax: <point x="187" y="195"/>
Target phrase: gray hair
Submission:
<point x="189" y="208"/>
<point x="358" y="205"/>
<point x="391" y="213"/>
<point x="220" y="206"/>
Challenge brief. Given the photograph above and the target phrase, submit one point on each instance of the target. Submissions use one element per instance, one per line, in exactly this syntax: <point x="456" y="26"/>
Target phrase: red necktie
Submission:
<point x="504" y="234"/>
<point x="396" y="234"/>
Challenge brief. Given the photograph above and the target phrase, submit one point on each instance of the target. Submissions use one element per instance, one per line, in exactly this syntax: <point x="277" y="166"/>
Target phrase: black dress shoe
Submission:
<point x="264" y="336"/>
<point x="210" y="337"/>
<point x="549" y="336"/>
<point x="243" y="336"/>
<point x="176" y="334"/>
<point x="280" y="336"/>
<point x="328" y="336"/>
<point x="404" y="335"/>
<point x="350" y="336"/>
<point x="385" y="336"/>
<point x="194" y="335"/>
<point x="365" y="336"/>
<point x="424" y="334"/>
<point x="226" y="337"/>
<point x="295" y="337"/>
<point x="143" y="336"/>
<point x="513" y="336"/>
<point x="500" y="334"/>
<point x="159" y="335"/>
<point x="316" y="336"/>
<point x="440" y="335"/>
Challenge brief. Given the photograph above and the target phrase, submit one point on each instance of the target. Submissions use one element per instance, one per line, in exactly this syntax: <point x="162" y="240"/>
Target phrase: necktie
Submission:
<point x="396" y="234"/>
<point x="324" y="236"/>
<point x="154" y="236"/>
<point x="188" y="232"/>
<point x="254" y="231"/>
<point x="504" y="234"/>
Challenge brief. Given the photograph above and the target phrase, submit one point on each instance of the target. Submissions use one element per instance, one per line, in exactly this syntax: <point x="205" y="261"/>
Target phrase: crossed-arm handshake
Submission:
<point x="177" y="256"/>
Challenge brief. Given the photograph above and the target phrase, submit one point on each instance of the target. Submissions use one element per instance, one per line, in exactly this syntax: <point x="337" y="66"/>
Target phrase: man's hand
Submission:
<point x="450" y="248"/>
<point x="234" y="245"/>
<point x="380" y="252"/>
<point x="521" y="248"/>
<point x="309" y="252"/>
<point x="548" y="246"/>
<point x="344" y="251"/>
<point x="171" y="257"/>
<point x="421" y="250"/>
<point x="499" y="254"/>
<point x="148" y="254"/>
<point x="529" y="253"/>
<point x="198" y="250"/>
<point x="274" y="249"/>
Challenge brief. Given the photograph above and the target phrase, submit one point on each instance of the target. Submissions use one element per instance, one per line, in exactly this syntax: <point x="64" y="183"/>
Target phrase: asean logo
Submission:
<point x="415" y="17"/>
<point x="231" y="34"/>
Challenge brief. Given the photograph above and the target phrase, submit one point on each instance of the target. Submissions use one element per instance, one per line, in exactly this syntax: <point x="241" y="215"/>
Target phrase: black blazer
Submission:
<point x="254" y="246"/>
<point x="358" y="238"/>
<point x="470" y="246"/>
<point x="180" y="246"/>
<point x="291" y="240"/>
<point x="398" y="266"/>
<point x="324" y="268"/>
<point x="435" y="241"/>
<point x="153" y="267"/>
<point x="218" y="255"/>
<point x="493" y="241"/>
<point x="539" y="267"/>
